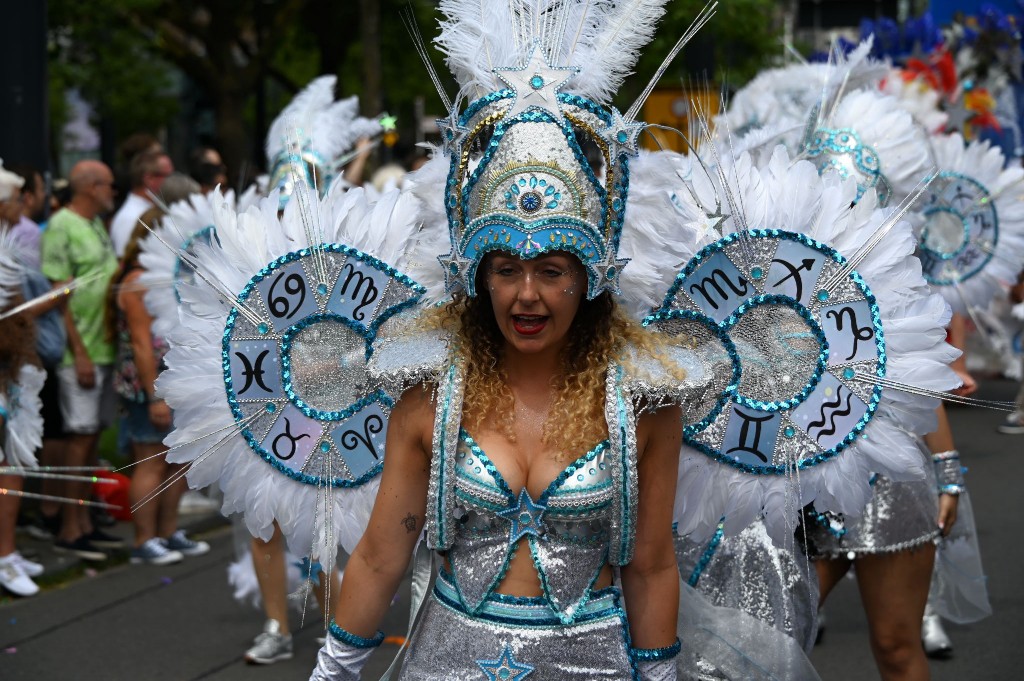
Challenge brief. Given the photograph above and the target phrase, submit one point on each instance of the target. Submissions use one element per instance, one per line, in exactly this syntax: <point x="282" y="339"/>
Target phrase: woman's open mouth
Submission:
<point x="529" y="324"/>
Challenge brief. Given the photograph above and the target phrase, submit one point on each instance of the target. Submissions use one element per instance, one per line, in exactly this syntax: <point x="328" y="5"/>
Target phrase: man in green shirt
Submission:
<point x="75" y="245"/>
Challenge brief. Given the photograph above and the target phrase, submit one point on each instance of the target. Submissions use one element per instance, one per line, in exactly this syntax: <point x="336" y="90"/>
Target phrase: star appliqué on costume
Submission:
<point x="505" y="668"/>
<point x="455" y="268"/>
<point x="452" y="133"/>
<point x="525" y="517"/>
<point x="622" y="136"/>
<point x="535" y="84"/>
<point x="608" y="271"/>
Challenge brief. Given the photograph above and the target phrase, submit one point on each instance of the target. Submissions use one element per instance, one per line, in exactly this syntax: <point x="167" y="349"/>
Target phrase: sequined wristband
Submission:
<point x="656" y="654"/>
<point x="948" y="473"/>
<point x="351" y="639"/>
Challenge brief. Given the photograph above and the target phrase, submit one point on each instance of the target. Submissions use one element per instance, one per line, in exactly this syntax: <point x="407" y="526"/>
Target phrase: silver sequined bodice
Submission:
<point x="566" y="529"/>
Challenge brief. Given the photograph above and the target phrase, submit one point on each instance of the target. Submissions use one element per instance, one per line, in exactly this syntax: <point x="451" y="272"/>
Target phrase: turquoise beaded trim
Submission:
<point x="527" y="611"/>
<point x="706" y="556"/>
<point x="350" y="639"/>
<point x="656" y="654"/>
<point x="367" y="331"/>
<point x="810" y="314"/>
<point x="307" y="161"/>
<point x="837" y="150"/>
<point x="209" y="233"/>
<point x="970" y="202"/>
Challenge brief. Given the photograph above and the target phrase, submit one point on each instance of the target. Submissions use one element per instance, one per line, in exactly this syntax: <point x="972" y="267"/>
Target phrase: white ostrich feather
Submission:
<point x="602" y="38"/>
<point x="782" y="99"/>
<point x="884" y="126"/>
<point x="24" y="421"/>
<point x="986" y="165"/>
<point x="314" y="118"/>
<point x="161" y="264"/>
<point x="916" y="97"/>
<point x="314" y="520"/>
<point x="790" y="196"/>
<point x="658" y="235"/>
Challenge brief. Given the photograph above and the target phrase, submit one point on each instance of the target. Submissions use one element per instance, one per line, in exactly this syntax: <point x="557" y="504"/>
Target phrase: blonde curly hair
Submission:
<point x="576" y="422"/>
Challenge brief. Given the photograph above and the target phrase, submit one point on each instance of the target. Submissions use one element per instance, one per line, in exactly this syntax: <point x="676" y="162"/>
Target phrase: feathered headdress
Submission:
<point x="310" y="137"/>
<point x="538" y="161"/>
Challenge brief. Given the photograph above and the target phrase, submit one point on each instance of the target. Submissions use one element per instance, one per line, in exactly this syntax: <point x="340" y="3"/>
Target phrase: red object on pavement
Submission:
<point x="115" y="493"/>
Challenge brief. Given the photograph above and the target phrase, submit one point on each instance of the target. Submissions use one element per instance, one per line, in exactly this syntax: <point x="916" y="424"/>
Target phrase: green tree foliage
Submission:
<point x="126" y="81"/>
<point x="120" y="55"/>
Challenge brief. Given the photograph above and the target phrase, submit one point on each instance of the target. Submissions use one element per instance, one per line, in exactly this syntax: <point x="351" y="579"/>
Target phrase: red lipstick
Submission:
<point x="529" y="325"/>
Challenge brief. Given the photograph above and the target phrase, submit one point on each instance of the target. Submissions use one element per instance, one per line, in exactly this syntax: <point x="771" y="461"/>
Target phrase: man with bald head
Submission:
<point x="75" y="245"/>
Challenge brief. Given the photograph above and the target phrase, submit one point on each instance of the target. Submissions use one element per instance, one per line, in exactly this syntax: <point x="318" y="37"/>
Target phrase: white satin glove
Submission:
<point x="657" y="670"/>
<point x="343" y="655"/>
<point x="657" y="664"/>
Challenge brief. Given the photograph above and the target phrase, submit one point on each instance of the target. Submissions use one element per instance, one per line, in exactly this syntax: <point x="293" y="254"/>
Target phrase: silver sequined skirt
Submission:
<point x="512" y="637"/>
<point x="900" y="516"/>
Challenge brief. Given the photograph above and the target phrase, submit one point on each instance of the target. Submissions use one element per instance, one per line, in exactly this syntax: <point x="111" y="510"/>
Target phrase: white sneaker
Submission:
<point x="29" y="567"/>
<point x="153" y="552"/>
<point x="271" y="646"/>
<point x="1012" y="425"/>
<point x="14" y="579"/>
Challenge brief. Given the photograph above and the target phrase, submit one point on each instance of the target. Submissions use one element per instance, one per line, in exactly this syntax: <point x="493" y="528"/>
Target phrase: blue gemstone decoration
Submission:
<point x="789" y="431"/>
<point x="325" y="446"/>
<point x="505" y="668"/>
<point x="263" y="328"/>
<point x="622" y="137"/>
<point x="321" y="289"/>
<point x="606" y="226"/>
<point x="537" y="82"/>
<point x="757" y="273"/>
<point x="849" y="373"/>
<point x="823" y="295"/>
<point x="530" y="202"/>
<point x="271" y="407"/>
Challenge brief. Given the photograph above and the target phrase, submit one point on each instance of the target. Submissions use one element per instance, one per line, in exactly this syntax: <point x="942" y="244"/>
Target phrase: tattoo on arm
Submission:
<point x="411" y="522"/>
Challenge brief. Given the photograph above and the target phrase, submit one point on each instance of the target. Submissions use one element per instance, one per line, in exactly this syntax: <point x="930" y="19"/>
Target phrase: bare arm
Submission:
<point x="942" y="441"/>
<point x="958" y="339"/>
<point x="140" y="329"/>
<point x="650" y="582"/>
<point x="378" y="564"/>
<point x="355" y="169"/>
<point x="83" y="363"/>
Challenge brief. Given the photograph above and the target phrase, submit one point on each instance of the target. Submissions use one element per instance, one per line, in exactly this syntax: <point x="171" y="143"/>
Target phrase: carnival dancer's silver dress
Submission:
<point x="584" y="520"/>
<point x="900" y="516"/>
<point x="748" y="572"/>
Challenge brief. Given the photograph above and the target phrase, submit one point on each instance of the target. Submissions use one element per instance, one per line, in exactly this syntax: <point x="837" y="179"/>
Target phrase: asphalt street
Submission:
<point x="181" y="623"/>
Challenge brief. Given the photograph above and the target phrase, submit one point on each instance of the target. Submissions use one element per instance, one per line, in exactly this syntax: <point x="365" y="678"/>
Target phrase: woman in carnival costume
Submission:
<point x="535" y="443"/>
<point x="528" y="438"/>
<point x="955" y="219"/>
<point x="477" y="447"/>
